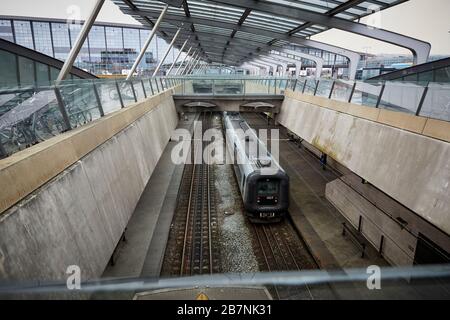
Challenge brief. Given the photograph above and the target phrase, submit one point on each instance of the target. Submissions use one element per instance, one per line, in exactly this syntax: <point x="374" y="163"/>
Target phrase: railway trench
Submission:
<point x="211" y="234"/>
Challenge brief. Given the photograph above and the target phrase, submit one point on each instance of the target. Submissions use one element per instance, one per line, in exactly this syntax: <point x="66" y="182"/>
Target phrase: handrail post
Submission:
<point x="134" y="92"/>
<point x="352" y="92"/>
<point x="62" y="109"/>
<point x="422" y="99"/>
<point x="143" y="89"/>
<point x="120" y="94"/>
<point x="99" y="101"/>
<point x="317" y="87"/>
<point x="151" y="86"/>
<point x="331" y="91"/>
<point x="380" y="96"/>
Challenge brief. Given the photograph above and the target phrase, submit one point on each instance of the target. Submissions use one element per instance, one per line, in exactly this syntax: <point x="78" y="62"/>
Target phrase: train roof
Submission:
<point x="256" y="161"/>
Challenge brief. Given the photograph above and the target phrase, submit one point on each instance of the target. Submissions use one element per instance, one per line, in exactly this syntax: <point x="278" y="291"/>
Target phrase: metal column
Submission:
<point x="188" y="64"/>
<point x="184" y="60"/>
<point x="166" y="53"/>
<point x="195" y="64"/>
<point x="178" y="57"/>
<point x="80" y="40"/>
<point x="147" y="43"/>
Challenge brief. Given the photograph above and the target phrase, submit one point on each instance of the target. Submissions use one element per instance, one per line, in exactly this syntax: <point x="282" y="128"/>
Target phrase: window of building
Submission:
<point x="23" y="33"/>
<point x="442" y="75"/>
<point x="426" y="76"/>
<point x="42" y="38"/>
<point x="83" y="60"/>
<point x="97" y="48"/>
<point x="151" y="53"/>
<point x="115" y="56"/>
<point x="42" y="74"/>
<point x="114" y="40"/>
<point x="26" y="71"/>
<point x="61" y="40"/>
<point x="8" y="76"/>
<point x="6" y="30"/>
<point x="54" y="73"/>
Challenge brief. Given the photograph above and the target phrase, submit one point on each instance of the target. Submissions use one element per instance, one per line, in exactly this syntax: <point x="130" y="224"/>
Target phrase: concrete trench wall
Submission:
<point x="78" y="217"/>
<point x="399" y="244"/>
<point x="412" y="168"/>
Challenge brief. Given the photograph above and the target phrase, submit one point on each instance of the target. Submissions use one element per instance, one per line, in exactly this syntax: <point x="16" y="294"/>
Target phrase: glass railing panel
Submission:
<point x="436" y="104"/>
<point x="401" y="97"/>
<point x="178" y="86"/>
<point x="10" y="98"/>
<point x="126" y="92"/>
<point x="324" y="88"/>
<point x="156" y="85"/>
<point x="30" y="122"/>
<point x="199" y="86"/>
<point x="148" y="89"/>
<point x="228" y="87"/>
<point x="366" y="94"/>
<point x="342" y="90"/>
<point x="139" y="90"/>
<point x="255" y="87"/>
<point x="300" y="84"/>
<point x="80" y="103"/>
<point x="109" y="96"/>
<point x="310" y="87"/>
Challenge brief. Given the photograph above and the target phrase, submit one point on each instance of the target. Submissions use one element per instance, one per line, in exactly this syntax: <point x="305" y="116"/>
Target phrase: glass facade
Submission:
<point x="61" y="40"/>
<point x="43" y="38"/>
<point x="6" y="30"/>
<point x="22" y="31"/>
<point x="108" y="50"/>
<point x="19" y="71"/>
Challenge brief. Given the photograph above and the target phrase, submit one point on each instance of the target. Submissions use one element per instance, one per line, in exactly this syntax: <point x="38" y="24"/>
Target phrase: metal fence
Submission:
<point x="431" y="100"/>
<point x="30" y="115"/>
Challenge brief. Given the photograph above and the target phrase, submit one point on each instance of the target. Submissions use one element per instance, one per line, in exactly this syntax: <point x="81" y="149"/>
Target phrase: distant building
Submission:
<point x="109" y="49"/>
<point x="372" y="66"/>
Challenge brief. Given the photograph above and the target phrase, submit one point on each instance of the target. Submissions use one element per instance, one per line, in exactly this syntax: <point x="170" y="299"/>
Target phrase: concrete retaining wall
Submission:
<point x="411" y="168"/>
<point x="399" y="245"/>
<point x="78" y="217"/>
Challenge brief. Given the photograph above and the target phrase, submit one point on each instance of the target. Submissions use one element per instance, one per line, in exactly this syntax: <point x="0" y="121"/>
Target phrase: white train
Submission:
<point x="264" y="185"/>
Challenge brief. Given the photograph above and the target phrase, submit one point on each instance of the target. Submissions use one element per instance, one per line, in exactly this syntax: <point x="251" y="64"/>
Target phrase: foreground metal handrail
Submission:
<point x="404" y="274"/>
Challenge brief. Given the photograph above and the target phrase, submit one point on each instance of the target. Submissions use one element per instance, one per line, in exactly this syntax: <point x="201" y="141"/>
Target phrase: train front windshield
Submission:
<point x="267" y="187"/>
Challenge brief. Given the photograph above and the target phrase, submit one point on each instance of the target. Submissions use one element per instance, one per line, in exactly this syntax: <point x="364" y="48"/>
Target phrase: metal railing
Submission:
<point x="29" y="115"/>
<point x="431" y="100"/>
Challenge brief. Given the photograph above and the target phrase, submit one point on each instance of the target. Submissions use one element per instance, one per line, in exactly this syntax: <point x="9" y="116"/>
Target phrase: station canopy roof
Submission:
<point x="234" y="31"/>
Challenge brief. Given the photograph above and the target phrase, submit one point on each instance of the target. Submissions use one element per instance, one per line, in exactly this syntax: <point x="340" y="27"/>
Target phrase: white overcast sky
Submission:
<point x="422" y="19"/>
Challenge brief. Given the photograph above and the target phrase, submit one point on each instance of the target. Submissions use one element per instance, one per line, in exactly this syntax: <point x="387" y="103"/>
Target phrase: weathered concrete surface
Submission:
<point x="78" y="217"/>
<point x="411" y="168"/>
<point x="436" y="129"/>
<point x="383" y="216"/>
<point x="54" y="155"/>
<point x="398" y="246"/>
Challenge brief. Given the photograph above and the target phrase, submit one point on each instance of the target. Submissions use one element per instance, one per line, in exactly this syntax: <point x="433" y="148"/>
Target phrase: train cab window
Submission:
<point x="267" y="187"/>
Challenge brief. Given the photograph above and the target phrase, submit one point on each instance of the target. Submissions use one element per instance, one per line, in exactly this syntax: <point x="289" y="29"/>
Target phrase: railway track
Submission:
<point x="282" y="250"/>
<point x="195" y="224"/>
